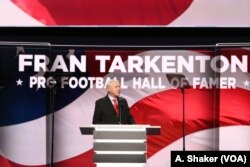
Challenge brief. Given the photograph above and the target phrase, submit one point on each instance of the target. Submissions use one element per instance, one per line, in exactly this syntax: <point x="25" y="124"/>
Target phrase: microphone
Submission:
<point x="120" y="103"/>
<point x="120" y="99"/>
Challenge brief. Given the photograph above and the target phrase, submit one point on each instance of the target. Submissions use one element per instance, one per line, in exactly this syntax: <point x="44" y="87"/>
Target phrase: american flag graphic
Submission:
<point x="216" y="119"/>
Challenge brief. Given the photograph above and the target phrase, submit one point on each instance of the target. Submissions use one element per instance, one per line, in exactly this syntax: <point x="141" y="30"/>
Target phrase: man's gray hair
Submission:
<point x="110" y="82"/>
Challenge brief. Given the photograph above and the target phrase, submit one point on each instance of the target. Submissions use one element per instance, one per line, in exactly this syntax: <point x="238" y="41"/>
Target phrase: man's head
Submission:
<point x="113" y="88"/>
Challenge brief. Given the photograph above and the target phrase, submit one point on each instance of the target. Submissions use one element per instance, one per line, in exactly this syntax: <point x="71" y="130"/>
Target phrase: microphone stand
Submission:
<point x="52" y="93"/>
<point x="183" y="118"/>
<point x="181" y="80"/>
<point x="120" y="109"/>
<point x="52" y="120"/>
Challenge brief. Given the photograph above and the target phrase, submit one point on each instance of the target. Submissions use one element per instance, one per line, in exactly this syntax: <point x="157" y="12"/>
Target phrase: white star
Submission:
<point x="19" y="49"/>
<point x="246" y="83"/>
<point x="19" y="82"/>
<point x="71" y="52"/>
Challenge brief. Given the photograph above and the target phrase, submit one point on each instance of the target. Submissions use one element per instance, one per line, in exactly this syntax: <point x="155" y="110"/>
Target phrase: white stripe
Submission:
<point x="21" y="142"/>
<point x="215" y="13"/>
<point x="11" y="15"/>
<point x="235" y="138"/>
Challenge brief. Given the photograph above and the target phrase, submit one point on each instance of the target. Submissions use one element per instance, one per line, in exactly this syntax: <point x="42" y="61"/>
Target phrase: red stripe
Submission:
<point x="234" y="107"/>
<point x="108" y="12"/>
<point x="85" y="159"/>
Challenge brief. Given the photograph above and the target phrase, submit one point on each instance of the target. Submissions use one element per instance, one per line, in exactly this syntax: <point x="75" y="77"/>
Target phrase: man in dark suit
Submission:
<point x="112" y="109"/>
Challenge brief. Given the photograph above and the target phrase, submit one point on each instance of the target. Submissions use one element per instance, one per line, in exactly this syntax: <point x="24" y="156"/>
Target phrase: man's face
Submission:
<point x="114" y="89"/>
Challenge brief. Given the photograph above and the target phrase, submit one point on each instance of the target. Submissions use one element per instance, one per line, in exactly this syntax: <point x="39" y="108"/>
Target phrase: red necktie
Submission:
<point x="116" y="106"/>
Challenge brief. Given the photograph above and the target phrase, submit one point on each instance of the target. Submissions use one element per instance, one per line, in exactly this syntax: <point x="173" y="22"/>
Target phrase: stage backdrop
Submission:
<point x="48" y="91"/>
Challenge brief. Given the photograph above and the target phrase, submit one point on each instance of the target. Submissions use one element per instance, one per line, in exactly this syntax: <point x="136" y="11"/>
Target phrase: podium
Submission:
<point x="120" y="145"/>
